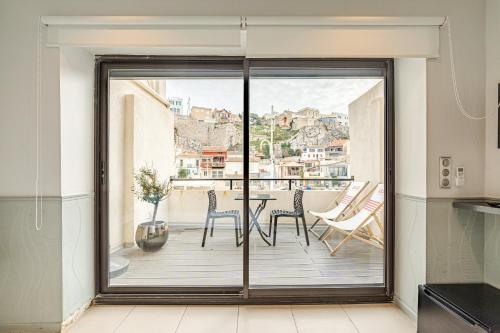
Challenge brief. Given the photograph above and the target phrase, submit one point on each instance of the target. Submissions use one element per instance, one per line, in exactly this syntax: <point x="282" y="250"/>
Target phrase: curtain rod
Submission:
<point x="242" y="21"/>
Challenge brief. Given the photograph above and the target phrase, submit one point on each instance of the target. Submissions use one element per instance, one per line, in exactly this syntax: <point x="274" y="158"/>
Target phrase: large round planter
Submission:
<point x="151" y="237"/>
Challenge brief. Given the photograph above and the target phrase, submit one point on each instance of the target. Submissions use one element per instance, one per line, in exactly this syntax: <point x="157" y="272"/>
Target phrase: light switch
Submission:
<point x="460" y="176"/>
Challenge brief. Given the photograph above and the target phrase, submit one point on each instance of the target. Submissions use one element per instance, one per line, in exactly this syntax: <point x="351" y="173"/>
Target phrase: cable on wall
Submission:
<point x="38" y="110"/>
<point x="461" y="108"/>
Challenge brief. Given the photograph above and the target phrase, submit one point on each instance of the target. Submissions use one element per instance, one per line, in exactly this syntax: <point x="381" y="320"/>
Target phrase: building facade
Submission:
<point x="188" y="161"/>
<point x="213" y="162"/>
<point x="176" y="105"/>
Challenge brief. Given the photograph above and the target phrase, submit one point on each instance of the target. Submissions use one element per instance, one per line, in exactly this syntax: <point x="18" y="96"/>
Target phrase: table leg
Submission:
<point x="255" y="221"/>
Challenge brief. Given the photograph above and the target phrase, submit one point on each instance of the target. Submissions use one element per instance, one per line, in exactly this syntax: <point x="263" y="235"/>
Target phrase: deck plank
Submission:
<point x="183" y="262"/>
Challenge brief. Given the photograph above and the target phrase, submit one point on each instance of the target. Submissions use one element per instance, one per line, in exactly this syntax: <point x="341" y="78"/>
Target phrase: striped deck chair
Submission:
<point x="343" y="202"/>
<point x="357" y="225"/>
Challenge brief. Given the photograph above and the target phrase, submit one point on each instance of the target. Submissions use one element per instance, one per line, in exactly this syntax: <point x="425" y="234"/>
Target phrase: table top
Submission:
<point x="256" y="197"/>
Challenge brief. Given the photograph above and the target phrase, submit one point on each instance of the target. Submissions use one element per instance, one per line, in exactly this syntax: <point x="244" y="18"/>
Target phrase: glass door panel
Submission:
<point x="314" y="133"/>
<point x="175" y="169"/>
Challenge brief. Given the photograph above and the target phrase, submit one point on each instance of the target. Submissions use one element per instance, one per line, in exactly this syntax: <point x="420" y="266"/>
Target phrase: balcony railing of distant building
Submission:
<point x="212" y="165"/>
<point x="302" y="182"/>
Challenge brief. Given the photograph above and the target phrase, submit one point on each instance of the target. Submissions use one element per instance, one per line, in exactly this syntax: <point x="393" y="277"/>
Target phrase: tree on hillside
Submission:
<point x="183" y="173"/>
<point x="265" y="151"/>
<point x="255" y="119"/>
<point x="287" y="150"/>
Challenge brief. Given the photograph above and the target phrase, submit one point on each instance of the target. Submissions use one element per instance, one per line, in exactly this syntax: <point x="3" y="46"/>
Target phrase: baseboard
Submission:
<point x="46" y="327"/>
<point x="405" y="308"/>
<point x="31" y="327"/>
<point x="66" y="324"/>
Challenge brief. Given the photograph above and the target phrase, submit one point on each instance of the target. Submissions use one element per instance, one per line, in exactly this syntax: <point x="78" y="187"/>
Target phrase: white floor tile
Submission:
<point x="260" y="319"/>
<point x="152" y="319"/>
<point x="101" y="318"/>
<point x="379" y="318"/>
<point x="322" y="318"/>
<point x="209" y="319"/>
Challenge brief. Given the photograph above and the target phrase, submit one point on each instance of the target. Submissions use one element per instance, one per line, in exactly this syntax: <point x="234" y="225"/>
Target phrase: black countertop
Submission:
<point x="481" y="206"/>
<point x="479" y="301"/>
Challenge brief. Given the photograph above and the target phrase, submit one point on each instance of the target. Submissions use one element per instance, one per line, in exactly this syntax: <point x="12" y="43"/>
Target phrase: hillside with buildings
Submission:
<point x="301" y="143"/>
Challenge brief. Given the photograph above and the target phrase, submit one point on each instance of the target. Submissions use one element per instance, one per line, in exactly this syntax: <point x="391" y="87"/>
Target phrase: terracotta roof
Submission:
<point x="215" y="148"/>
<point x="338" y="142"/>
<point x="189" y="154"/>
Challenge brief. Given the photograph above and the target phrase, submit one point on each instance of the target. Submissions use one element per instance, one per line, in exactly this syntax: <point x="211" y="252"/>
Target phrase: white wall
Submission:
<point x="411" y="126"/>
<point x="141" y="133"/>
<point x="492" y="152"/>
<point x="411" y="176"/>
<point x="460" y="137"/>
<point x="366" y="134"/>
<point x="77" y="178"/>
<point x="190" y="206"/>
<point x="447" y="130"/>
<point x="77" y="121"/>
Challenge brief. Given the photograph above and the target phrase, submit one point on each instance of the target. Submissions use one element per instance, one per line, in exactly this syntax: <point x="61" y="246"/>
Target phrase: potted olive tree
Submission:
<point x="151" y="235"/>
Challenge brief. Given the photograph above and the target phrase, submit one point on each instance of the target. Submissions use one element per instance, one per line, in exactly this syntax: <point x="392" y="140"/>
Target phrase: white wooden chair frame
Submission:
<point x="336" y="202"/>
<point x="361" y="232"/>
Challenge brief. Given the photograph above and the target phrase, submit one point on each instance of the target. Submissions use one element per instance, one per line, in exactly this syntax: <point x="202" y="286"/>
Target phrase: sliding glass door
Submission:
<point x="243" y="180"/>
<point x="316" y="130"/>
<point x="173" y="176"/>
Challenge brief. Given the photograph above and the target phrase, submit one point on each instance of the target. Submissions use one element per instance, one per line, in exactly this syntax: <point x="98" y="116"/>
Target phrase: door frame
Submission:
<point x="105" y="294"/>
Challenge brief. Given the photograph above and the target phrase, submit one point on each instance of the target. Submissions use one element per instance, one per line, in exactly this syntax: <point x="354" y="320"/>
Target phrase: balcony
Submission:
<point x="183" y="262"/>
<point x="212" y="164"/>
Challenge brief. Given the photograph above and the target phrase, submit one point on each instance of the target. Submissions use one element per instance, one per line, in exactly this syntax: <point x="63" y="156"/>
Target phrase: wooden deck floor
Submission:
<point x="183" y="262"/>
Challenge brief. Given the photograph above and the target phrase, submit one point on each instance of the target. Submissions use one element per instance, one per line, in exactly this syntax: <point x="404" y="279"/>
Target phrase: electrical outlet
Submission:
<point x="445" y="171"/>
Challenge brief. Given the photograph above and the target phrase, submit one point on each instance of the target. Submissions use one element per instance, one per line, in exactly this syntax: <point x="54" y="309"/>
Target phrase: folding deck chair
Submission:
<point x="343" y="202"/>
<point x="357" y="225"/>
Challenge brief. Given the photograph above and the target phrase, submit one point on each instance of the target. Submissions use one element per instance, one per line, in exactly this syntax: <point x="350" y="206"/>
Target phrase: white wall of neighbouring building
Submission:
<point x="141" y="134"/>
<point x="366" y="135"/>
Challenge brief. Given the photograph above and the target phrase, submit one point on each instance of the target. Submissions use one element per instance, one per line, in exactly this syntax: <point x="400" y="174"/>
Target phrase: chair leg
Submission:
<point x="313" y="231"/>
<point x="236" y="228"/>
<point x="270" y="224"/>
<point x="305" y="229"/>
<point x="328" y="231"/>
<point x="297" y="225"/>
<point x="314" y="224"/>
<point x="205" y="232"/>
<point x="339" y="245"/>
<point x="239" y="226"/>
<point x="212" y="230"/>
<point x="275" y="228"/>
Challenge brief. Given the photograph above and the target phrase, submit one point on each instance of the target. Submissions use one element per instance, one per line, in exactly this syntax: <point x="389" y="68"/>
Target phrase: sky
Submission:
<point x="327" y="95"/>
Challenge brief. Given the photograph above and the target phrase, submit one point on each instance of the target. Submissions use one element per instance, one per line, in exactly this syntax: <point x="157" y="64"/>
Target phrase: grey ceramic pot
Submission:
<point x="151" y="237"/>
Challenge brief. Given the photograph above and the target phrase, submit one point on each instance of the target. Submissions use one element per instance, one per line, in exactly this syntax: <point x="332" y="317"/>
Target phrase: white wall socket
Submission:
<point x="445" y="171"/>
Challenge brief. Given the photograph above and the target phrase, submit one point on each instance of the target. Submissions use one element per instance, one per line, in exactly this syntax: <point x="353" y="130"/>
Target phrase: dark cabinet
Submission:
<point x="458" y="308"/>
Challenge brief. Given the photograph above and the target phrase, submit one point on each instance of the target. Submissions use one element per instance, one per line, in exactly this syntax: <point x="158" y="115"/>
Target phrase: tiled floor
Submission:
<point x="365" y="318"/>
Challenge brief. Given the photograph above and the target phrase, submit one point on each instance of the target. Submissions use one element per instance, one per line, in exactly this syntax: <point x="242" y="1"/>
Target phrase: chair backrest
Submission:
<point x="376" y="200"/>
<point x="367" y="214"/>
<point x="212" y="201"/>
<point x="355" y="188"/>
<point x="298" y="206"/>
